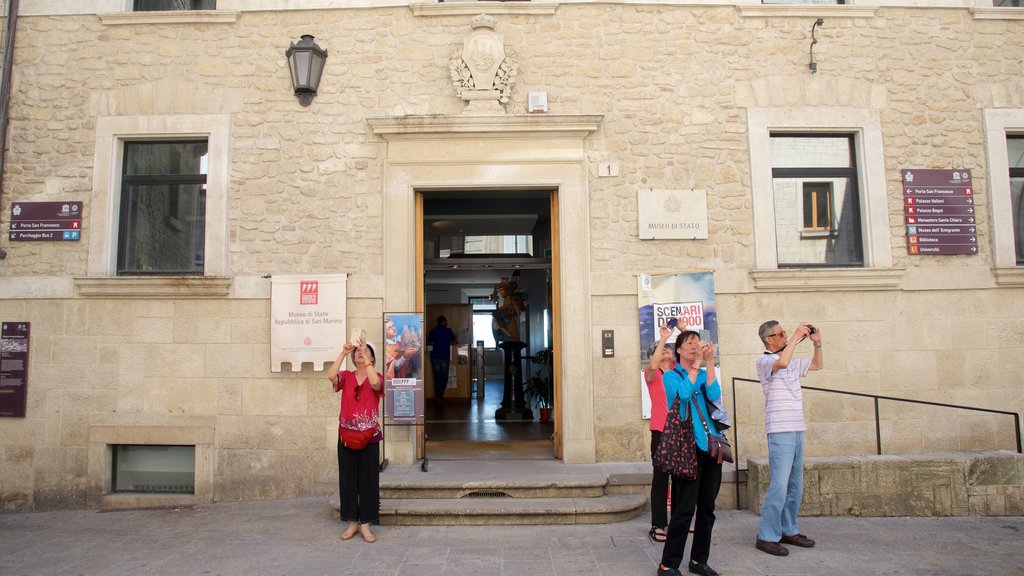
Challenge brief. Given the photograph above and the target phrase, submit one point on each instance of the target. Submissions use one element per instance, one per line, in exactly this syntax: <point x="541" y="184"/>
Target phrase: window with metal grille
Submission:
<point x="168" y="5"/>
<point x="154" y="469"/>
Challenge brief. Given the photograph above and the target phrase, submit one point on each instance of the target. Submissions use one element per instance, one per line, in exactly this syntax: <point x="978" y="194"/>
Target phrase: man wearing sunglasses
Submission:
<point x="779" y="372"/>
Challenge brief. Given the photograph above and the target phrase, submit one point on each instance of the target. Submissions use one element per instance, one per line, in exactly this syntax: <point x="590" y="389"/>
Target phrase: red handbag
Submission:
<point x="355" y="439"/>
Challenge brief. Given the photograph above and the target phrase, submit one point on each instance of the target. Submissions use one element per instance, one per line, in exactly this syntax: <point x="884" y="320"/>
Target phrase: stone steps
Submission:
<point x="539" y="500"/>
<point x="507" y="499"/>
<point x="476" y="511"/>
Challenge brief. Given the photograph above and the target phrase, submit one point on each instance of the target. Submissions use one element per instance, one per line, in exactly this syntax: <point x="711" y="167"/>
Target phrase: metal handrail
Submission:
<point x="878" y="428"/>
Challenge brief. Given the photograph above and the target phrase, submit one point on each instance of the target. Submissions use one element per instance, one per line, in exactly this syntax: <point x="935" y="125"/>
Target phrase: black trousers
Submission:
<point x="359" y="483"/>
<point x="688" y="496"/>
<point x="659" y="488"/>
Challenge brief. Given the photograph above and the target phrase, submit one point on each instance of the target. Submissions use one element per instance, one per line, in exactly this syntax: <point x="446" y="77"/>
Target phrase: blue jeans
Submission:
<point x="440" y="370"/>
<point x="782" y="500"/>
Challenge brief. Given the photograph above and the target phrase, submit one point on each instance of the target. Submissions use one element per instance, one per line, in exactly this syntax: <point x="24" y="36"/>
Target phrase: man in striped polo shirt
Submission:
<point x="780" y="372"/>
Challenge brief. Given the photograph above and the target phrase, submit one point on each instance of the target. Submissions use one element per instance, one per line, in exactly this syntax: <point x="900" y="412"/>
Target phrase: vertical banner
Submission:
<point x="307" y="320"/>
<point x="14" y="340"/>
<point x="689" y="295"/>
<point x="403" y="368"/>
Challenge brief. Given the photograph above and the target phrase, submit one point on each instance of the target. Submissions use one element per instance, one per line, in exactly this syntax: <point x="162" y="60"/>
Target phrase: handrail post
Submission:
<point x="736" y="443"/>
<point x="1016" y="422"/>
<point x="878" y="429"/>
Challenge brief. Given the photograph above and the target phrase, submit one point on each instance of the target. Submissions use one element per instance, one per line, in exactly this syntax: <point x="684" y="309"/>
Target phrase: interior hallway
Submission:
<point x="468" y="431"/>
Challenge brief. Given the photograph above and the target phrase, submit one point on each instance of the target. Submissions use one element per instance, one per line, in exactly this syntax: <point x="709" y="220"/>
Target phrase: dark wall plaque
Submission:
<point x="46" y="221"/>
<point x="939" y="209"/>
<point x="13" y="368"/>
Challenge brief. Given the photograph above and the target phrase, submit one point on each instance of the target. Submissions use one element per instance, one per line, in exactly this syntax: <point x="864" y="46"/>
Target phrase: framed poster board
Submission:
<point x="14" y="340"/>
<point x="403" y="368"/>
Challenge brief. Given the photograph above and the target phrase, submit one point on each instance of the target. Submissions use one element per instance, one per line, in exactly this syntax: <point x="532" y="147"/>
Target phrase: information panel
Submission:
<point x="939" y="209"/>
<point x="403" y="368"/>
<point x="46" y="221"/>
<point x="13" y="368"/>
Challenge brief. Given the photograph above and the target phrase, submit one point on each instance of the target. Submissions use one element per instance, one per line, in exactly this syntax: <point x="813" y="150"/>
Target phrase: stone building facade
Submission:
<point x="672" y="94"/>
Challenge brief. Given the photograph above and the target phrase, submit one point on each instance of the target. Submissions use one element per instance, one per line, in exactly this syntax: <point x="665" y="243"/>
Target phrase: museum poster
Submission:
<point x="403" y="368"/>
<point x="307" y="320"/>
<point x="690" y="295"/>
<point x="14" y="369"/>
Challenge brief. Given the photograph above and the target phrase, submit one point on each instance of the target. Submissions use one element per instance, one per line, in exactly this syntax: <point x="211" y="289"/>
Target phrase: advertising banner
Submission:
<point x="403" y="368"/>
<point x="689" y="295"/>
<point x="307" y="320"/>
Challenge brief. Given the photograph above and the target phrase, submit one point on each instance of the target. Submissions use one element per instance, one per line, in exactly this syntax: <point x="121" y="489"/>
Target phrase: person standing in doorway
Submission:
<point x="444" y="350"/>
<point x="779" y="372"/>
<point x="660" y="360"/>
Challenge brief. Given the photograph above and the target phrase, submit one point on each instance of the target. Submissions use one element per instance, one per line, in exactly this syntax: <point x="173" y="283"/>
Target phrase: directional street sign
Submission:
<point x="939" y="209"/>
<point x="46" y="221"/>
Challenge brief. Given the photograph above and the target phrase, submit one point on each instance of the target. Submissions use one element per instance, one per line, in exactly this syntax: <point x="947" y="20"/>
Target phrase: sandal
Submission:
<point x="657" y="534"/>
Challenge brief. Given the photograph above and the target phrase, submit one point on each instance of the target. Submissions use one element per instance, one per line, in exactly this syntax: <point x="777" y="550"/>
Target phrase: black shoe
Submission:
<point x="702" y="569"/>
<point x="773" y="548"/>
<point x="798" y="540"/>
<point x="668" y="571"/>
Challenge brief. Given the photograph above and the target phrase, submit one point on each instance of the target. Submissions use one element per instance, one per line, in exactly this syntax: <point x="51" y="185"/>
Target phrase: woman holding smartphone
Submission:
<point x="697" y="496"/>
<point x="359" y="468"/>
<point x="660" y="359"/>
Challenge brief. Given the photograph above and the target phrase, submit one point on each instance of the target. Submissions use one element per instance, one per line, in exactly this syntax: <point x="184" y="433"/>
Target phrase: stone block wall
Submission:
<point x="672" y="82"/>
<point x="940" y="484"/>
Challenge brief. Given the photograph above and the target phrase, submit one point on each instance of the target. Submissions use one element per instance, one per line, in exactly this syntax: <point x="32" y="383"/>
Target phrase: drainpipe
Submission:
<point x="5" y="92"/>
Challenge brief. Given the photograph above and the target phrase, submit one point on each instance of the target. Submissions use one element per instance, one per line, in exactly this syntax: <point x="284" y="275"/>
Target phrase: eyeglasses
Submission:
<point x="358" y="390"/>
<point x="777" y="334"/>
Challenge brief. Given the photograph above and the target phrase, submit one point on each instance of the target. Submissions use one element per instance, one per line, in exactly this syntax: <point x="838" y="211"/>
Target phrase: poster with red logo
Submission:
<point x="307" y="320"/>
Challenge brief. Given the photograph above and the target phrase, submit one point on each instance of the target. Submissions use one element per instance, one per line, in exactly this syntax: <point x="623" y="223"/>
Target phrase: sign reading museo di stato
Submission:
<point x="673" y="214"/>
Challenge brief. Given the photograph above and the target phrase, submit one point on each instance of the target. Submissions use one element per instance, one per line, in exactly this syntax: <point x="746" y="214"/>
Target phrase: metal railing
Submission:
<point x="878" y="427"/>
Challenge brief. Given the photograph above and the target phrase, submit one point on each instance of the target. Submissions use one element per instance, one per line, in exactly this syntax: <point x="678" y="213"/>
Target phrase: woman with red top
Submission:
<point x="660" y="360"/>
<point x="359" y="470"/>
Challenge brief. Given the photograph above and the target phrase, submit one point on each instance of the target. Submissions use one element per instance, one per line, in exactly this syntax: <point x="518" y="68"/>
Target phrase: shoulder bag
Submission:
<point x="677" y="453"/>
<point x="718" y="446"/>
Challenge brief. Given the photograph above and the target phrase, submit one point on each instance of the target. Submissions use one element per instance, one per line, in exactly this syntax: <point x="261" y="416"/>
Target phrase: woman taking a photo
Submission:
<point x="359" y="434"/>
<point x="660" y="360"/>
<point x="686" y="379"/>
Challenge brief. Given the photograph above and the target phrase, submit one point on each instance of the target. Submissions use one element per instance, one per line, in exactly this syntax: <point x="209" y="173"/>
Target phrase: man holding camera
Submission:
<point x="780" y="372"/>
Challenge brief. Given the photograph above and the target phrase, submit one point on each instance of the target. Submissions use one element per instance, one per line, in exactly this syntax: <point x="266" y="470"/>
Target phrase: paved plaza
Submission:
<point x="300" y="537"/>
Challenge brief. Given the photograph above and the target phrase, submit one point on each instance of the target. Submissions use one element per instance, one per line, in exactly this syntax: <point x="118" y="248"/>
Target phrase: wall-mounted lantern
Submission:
<point x="306" y="63"/>
<point x="814" y="63"/>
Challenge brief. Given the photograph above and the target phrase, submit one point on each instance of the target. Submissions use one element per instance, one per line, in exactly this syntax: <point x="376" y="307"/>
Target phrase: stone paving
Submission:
<point x="300" y="537"/>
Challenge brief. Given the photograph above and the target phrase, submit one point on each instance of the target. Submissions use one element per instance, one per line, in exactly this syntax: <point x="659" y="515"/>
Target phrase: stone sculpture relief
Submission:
<point x="483" y="74"/>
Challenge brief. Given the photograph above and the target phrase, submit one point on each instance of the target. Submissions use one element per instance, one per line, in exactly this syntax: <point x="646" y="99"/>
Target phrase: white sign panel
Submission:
<point x="307" y="320"/>
<point x="673" y="214"/>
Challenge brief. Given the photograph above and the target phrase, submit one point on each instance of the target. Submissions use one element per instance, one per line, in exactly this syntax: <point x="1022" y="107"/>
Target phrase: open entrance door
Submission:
<point x="488" y="259"/>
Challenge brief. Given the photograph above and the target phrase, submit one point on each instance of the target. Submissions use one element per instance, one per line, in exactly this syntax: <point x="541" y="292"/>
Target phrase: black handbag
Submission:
<point x="677" y="452"/>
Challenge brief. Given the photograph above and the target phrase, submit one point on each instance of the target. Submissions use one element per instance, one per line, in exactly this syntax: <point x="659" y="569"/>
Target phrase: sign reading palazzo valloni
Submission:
<point x="673" y="214"/>
<point x="940" y="212"/>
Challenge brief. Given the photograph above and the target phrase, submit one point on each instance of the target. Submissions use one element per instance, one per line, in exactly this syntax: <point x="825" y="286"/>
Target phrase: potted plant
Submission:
<point x="540" y="387"/>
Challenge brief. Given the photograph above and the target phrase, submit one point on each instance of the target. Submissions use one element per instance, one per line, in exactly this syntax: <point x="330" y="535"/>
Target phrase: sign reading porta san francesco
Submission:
<point x="46" y="221"/>
<point x="939" y="209"/>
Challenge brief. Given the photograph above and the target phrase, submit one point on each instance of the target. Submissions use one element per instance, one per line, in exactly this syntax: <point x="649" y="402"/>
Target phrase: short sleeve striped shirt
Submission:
<point x="783" y="399"/>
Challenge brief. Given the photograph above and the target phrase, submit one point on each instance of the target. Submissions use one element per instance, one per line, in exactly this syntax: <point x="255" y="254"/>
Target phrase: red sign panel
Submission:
<point x="939" y="209"/>
<point x="46" y="221"/>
